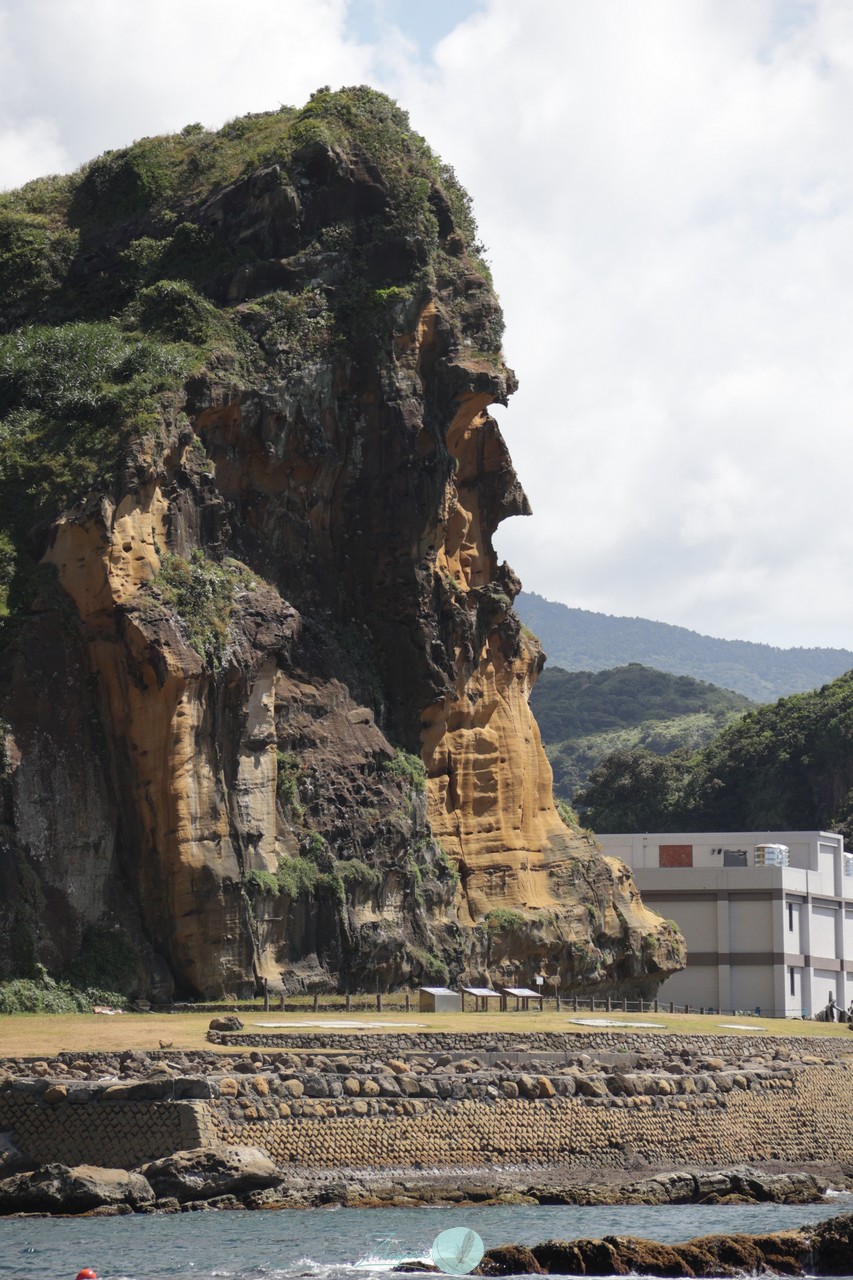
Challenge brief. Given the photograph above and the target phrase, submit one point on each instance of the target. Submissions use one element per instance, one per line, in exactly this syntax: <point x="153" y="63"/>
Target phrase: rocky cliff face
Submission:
<point x="264" y="694"/>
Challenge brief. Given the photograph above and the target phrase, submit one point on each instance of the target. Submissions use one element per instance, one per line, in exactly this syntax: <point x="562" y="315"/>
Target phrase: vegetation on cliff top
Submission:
<point x="114" y="286"/>
<point x="788" y="766"/>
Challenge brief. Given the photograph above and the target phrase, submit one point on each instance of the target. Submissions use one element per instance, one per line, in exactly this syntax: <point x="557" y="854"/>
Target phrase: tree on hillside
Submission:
<point x="634" y="791"/>
<point x="785" y="767"/>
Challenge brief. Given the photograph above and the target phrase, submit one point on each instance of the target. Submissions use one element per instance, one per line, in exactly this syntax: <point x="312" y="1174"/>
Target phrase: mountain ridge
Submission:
<point x="582" y="640"/>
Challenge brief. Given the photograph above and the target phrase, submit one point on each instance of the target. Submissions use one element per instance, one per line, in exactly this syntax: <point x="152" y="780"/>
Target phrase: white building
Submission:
<point x="767" y="916"/>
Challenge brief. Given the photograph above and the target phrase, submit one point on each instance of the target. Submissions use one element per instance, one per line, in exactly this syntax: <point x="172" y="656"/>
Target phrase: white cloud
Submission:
<point x="666" y="194"/>
<point x="112" y="70"/>
<point x="28" y="150"/>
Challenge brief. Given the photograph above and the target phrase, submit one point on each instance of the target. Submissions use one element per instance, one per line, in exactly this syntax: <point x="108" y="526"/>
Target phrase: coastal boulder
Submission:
<point x="559" y="1257"/>
<point x="832" y="1246"/>
<point x="509" y="1260"/>
<point x="229" y="1023"/>
<point x="57" y="1188"/>
<point x="205" y="1172"/>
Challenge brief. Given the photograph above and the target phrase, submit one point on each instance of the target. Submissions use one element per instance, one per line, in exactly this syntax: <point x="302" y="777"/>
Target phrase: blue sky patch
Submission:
<point x="424" y="22"/>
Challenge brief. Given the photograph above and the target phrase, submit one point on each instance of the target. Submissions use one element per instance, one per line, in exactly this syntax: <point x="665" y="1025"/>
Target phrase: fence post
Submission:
<point x="348" y="1002"/>
<point x="378" y="1000"/>
<point x="642" y="1005"/>
<point x="408" y="1003"/>
<point x="559" y="1001"/>
<point x="624" y="1004"/>
<point x="657" y="1008"/>
<point x="266" y="996"/>
<point x="609" y="1005"/>
<point x="316" y="1001"/>
<point x="672" y="1006"/>
<point x="281" y="1002"/>
<point x="575" y="1003"/>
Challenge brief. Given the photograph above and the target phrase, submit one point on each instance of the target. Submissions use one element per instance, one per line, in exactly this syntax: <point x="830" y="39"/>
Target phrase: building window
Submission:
<point x="791" y="919"/>
<point x="792" y="980"/>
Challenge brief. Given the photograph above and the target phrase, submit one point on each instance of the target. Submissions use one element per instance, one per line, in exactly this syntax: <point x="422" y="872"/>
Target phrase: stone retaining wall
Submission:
<point x="811" y="1123"/>
<point x="603" y="1100"/>
<point x="116" y="1135"/>
<point x="562" y="1042"/>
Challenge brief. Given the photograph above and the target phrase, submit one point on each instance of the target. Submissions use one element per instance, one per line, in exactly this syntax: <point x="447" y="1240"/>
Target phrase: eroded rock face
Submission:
<point x="285" y="598"/>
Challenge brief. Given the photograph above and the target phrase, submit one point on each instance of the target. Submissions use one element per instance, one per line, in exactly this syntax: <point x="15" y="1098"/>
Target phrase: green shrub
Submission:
<point x="34" y="257"/>
<point x="354" y="871"/>
<point x="407" y="769"/>
<point x="568" y="816"/>
<point x="502" y="920"/>
<point x="173" y="309"/>
<point x="294" y="877"/>
<point x="446" y="865"/>
<point x="289" y="771"/>
<point x="289" y="329"/>
<point x="316" y="850"/>
<point x="121" y="183"/>
<point x="266" y="881"/>
<point x="431" y="965"/>
<point x="8" y="558"/>
<point x="70" y="396"/>
<point x="44" y="994"/>
<point x="201" y="591"/>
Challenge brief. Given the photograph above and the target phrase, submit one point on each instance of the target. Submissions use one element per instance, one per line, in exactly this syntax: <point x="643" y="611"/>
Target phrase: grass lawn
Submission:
<point x="35" y="1035"/>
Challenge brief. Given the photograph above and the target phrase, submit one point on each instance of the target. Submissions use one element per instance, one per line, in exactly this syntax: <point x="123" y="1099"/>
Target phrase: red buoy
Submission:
<point x="87" y="1274"/>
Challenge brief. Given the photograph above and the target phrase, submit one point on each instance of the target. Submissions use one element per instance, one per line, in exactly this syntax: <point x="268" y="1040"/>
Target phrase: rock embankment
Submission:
<point x="245" y="1178"/>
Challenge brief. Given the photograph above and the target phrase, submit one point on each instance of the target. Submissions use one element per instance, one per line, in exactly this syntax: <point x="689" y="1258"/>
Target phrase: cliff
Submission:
<point x="265" y="698"/>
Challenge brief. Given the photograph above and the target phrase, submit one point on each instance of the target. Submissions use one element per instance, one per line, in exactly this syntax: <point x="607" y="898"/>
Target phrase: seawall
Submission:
<point x="475" y="1102"/>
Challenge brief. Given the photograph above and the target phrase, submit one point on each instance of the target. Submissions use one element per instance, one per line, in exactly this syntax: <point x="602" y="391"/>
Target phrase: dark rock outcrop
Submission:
<point x="823" y="1249"/>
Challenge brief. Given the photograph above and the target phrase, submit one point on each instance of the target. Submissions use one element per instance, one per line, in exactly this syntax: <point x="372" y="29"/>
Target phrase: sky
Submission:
<point x="665" y="190"/>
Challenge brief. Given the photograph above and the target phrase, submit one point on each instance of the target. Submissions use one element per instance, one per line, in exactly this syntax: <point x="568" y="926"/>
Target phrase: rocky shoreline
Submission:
<point x="245" y="1178"/>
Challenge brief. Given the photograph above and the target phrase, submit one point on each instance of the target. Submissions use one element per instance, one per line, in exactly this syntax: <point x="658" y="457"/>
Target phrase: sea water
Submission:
<point x="342" y="1244"/>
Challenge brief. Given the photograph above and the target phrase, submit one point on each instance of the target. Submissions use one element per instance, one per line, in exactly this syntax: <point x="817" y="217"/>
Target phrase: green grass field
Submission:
<point x="35" y="1035"/>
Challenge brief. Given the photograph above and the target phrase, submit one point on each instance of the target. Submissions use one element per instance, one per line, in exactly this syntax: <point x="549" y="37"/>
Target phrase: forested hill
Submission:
<point x="584" y="716"/>
<point x="570" y="703"/>
<point x="784" y="767"/>
<point x="580" y="640"/>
